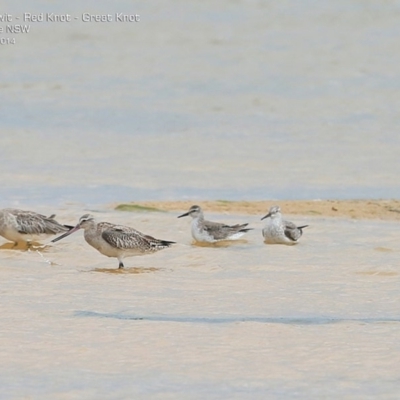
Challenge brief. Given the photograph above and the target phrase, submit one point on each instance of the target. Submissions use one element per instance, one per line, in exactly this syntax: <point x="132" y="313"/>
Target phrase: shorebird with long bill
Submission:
<point x="117" y="241"/>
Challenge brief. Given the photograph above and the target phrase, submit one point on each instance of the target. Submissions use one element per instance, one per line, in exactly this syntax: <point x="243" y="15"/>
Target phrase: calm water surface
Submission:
<point x="239" y="100"/>
<point x="202" y="100"/>
<point x="317" y="320"/>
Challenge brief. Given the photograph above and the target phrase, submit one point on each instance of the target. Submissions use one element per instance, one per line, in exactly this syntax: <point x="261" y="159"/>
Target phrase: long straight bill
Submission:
<point x="183" y="215"/>
<point x="66" y="234"/>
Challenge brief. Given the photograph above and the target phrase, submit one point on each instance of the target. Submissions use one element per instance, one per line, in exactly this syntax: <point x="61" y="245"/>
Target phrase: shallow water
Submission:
<point x="202" y="100"/>
<point x="315" y="320"/>
<point x="240" y="100"/>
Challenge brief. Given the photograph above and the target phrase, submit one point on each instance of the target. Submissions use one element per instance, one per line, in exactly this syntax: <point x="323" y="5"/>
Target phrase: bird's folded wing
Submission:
<point x="123" y="237"/>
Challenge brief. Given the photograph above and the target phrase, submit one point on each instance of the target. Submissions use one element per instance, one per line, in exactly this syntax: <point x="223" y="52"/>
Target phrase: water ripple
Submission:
<point x="234" y="319"/>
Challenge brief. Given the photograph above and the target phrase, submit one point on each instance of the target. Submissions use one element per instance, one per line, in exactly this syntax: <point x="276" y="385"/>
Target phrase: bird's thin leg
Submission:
<point x="120" y="265"/>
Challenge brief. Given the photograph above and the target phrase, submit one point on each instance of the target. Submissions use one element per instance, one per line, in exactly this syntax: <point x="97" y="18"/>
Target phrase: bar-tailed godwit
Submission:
<point x="116" y="240"/>
<point x="24" y="227"/>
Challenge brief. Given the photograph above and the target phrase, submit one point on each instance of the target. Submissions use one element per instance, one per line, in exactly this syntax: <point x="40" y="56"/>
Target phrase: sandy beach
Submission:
<point x="357" y="209"/>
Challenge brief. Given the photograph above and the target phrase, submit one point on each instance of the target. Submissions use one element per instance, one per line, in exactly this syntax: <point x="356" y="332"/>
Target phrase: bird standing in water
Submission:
<point x="117" y="241"/>
<point x="25" y="227"/>
<point x="211" y="232"/>
<point x="279" y="231"/>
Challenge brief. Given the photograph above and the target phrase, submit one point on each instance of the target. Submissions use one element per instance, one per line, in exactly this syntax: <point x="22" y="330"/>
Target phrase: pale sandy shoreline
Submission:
<point x="357" y="209"/>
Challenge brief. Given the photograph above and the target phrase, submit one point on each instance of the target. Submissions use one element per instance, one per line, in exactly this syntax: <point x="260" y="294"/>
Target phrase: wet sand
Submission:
<point x="357" y="209"/>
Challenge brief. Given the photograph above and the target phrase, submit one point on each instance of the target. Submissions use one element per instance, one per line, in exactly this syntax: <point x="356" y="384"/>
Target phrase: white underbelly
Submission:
<point x="109" y="251"/>
<point x="200" y="234"/>
<point x="276" y="235"/>
<point x="17" y="237"/>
